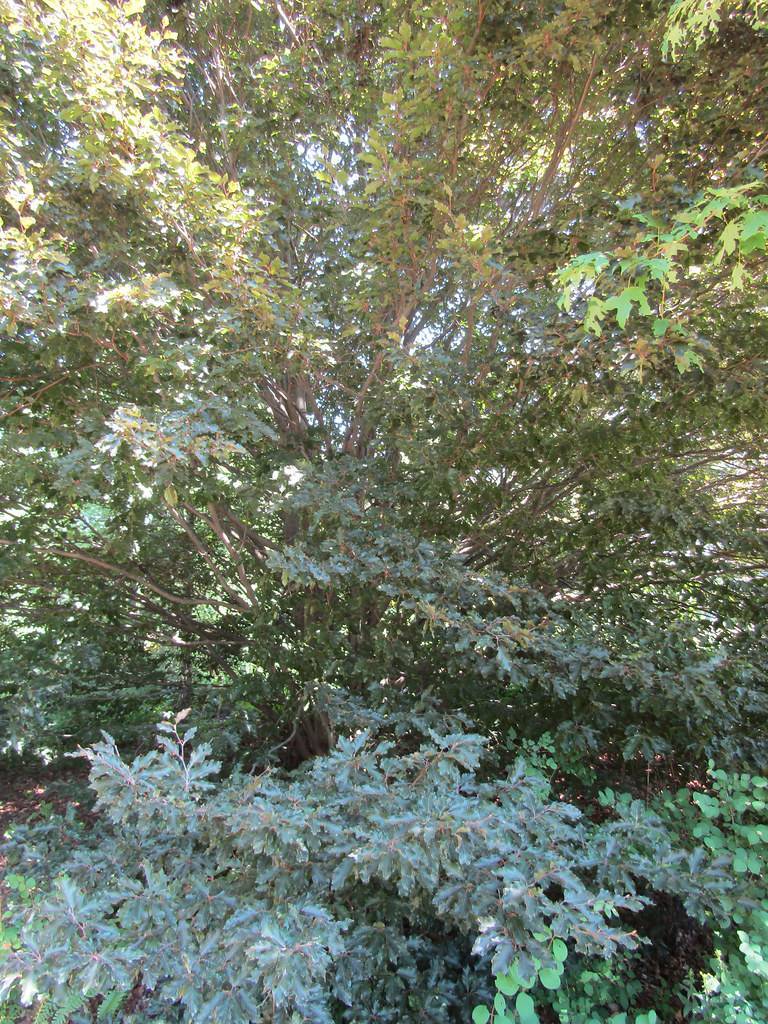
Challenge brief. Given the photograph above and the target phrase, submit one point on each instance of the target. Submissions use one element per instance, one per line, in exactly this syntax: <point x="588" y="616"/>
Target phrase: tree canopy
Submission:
<point x="363" y="342"/>
<point x="356" y="350"/>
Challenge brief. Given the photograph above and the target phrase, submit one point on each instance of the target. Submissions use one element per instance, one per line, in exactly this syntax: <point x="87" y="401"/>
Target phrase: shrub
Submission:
<point x="730" y="824"/>
<point x="355" y="889"/>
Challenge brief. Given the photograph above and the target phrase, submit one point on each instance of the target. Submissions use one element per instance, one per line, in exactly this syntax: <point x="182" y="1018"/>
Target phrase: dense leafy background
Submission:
<point x="354" y="351"/>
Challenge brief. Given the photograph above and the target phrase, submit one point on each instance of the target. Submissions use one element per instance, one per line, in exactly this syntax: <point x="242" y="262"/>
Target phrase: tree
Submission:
<point x="356" y="350"/>
<point x="411" y="343"/>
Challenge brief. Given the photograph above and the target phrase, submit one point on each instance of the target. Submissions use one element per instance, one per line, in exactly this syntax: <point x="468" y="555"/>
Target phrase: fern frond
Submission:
<point x="110" y="1004"/>
<point x="45" y="1012"/>
<point x="64" y="1010"/>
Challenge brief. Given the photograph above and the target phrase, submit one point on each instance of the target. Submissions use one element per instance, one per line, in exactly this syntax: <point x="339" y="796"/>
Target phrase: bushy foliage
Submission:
<point x="389" y="880"/>
<point x="730" y="822"/>
<point x="352" y="350"/>
<point x="706" y="847"/>
<point x="360" y="888"/>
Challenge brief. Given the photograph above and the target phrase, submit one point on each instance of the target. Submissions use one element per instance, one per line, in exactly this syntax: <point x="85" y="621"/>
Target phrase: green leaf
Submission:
<point x="559" y="950"/>
<point x="481" y="1015"/>
<point x="658" y="268"/>
<point x="754" y="223"/>
<point x="549" y="978"/>
<point x="728" y="239"/>
<point x="506" y="984"/>
<point x="753" y="243"/>
<point x="526" y="1009"/>
<point x="709" y="806"/>
<point x="623" y="302"/>
<point x="660" y="327"/>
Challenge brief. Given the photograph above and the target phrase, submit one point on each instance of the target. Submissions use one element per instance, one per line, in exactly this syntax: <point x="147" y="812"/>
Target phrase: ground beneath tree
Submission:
<point x="34" y="792"/>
